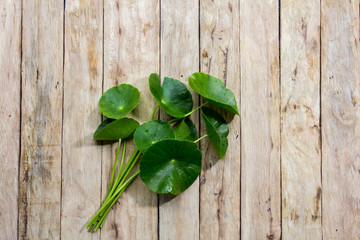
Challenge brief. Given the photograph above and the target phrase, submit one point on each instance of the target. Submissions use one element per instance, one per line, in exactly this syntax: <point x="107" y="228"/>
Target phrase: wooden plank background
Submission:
<point x="300" y="119"/>
<point x="292" y="170"/>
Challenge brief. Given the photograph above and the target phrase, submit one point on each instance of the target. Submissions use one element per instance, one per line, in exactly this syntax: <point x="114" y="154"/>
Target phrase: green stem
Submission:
<point x="102" y="220"/>
<point x="122" y="178"/>
<point x="117" y="194"/>
<point x="111" y="186"/>
<point x="102" y="208"/>
<point x="174" y="120"/>
<point x="200" y="138"/>
<point x="113" y="170"/>
<point x="130" y="168"/>
<point x="153" y="113"/>
<point x="110" y="200"/>
<point x="95" y="218"/>
<point x="125" y="184"/>
<point x="119" y="177"/>
<point x="122" y="157"/>
<point x="120" y="174"/>
<point x="188" y="114"/>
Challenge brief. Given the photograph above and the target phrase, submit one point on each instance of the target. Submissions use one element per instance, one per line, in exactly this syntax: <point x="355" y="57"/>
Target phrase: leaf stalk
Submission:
<point x="197" y="140"/>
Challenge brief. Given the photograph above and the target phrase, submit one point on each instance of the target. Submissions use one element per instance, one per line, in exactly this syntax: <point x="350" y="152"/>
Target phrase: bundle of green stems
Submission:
<point x="117" y="187"/>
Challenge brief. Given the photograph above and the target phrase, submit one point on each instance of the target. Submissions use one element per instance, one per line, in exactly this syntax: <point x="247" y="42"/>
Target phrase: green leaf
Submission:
<point x="192" y="127"/>
<point x="217" y="130"/>
<point x="119" y="101"/>
<point x="111" y="129"/>
<point x="173" y="97"/>
<point x="152" y="132"/>
<point x="186" y="130"/>
<point x="170" y="166"/>
<point x="214" y="91"/>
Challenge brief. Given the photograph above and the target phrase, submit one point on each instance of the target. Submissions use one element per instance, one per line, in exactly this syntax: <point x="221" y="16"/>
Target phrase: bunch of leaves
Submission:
<point x="170" y="160"/>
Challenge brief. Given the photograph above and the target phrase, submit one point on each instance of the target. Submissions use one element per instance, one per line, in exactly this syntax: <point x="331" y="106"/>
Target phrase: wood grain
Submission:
<point x="131" y="53"/>
<point x="220" y="178"/>
<point x="40" y="166"/>
<point x="179" y="216"/>
<point x="10" y="61"/>
<point x="340" y="118"/>
<point x="81" y="168"/>
<point x="300" y="119"/>
<point x="260" y="123"/>
<point x="293" y="165"/>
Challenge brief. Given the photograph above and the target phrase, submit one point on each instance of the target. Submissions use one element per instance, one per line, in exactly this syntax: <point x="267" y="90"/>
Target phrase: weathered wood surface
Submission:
<point x="292" y="168"/>
<point x="131" y="53"/>
<point x="41" y="124"/>
<point x="220" y="178"/>
<point x="260" y="120"/>
<point x="300" y="119"/>
<point x="81" y="163"/>
<point x="340" y="106"/>
<point x="10" y="60"/>
<point x="179" y="216"/>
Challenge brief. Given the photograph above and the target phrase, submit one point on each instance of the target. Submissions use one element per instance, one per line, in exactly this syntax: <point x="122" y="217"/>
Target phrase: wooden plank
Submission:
<point x="81" y="188"/>
<point x="179" y="216"/>
<point x="340" y="118"/>
<point x="220" y="178"/>
<point x="300" y="119"/>
<point x="131" y="53"/>
<point x="260" y="124"/>
<point x="42" y="74"/>
<point x="10" y="60"/>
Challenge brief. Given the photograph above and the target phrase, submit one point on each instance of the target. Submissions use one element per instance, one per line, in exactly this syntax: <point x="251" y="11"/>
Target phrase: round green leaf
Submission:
<point x="170" y="166"/>
<point x="186" y="130"/>
<point x="115" y="129"/>
<point x="173" y="96"/>
<point x="217" y="130"/>
<point x="119" y="101"/>
<point x="214" y="91"/>
<point x="152" y="132"/>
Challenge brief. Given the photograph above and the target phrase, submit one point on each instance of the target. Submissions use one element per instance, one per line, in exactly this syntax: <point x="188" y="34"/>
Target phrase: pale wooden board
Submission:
<point x="300" y="119"/>
<point x="10" y="54"/>
<point x="340" y="118"/>
<point x="260" y="120"/>
<point x="179" y="216"/>
<point x="42" y="74"/>
<point x="131" y="53"/>
<point x="220" y="178"/>
<point x="81" y="168"/>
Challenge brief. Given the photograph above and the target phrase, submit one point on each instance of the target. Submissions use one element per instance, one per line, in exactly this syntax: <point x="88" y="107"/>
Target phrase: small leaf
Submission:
<point x="119" y="101"/>
<point x="151" y="132"/>
<point x="173" y="97"/>
<point x="111" y="129"/>
<point x="170" y="166"/>
<point x="186" y="130"/>
<point x="192" y="127"/>
<point x="214" y="91"/>
<point x="217" y="130"/>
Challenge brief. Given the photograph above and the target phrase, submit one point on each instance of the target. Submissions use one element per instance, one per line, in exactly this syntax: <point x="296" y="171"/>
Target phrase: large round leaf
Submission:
<point x="115" y="129"/>
<point x="152" y="132"/>
<point x="119" y="101"/>
<point x="170" y="166"/>
<point x="217" y="130"/>
<point x="214" y="91"/>
<point x="173" y="96"/>
<point x="186" y="130"/>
